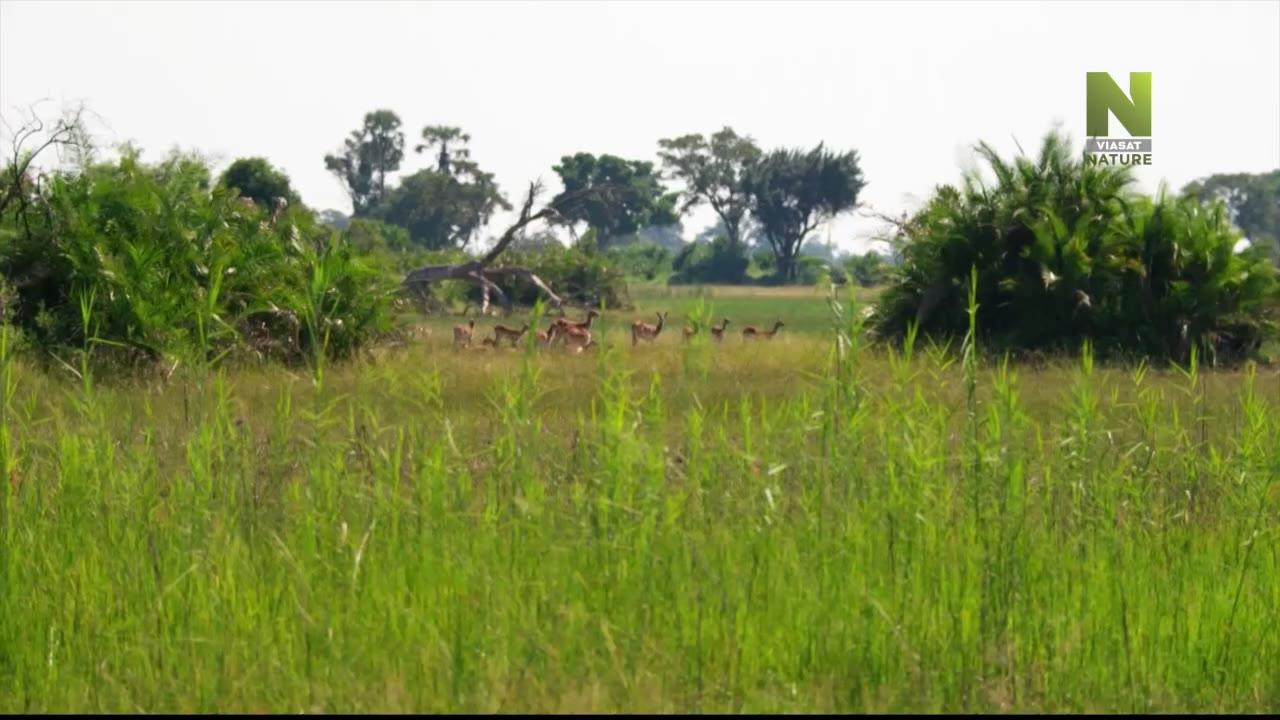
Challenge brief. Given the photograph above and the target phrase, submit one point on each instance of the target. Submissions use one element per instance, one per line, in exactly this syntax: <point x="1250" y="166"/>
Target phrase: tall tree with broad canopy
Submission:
<point x="791" y="192"/>
<point x="257" y="180"/>
<point x="615" y="197"/>
<point x="713" y="172"/>
<point x="367" y="157"/>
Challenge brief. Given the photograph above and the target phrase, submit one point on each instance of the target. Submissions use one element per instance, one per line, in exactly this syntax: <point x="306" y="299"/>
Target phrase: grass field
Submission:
<point x="768" y="527"/>
<point x="803" y="309"/>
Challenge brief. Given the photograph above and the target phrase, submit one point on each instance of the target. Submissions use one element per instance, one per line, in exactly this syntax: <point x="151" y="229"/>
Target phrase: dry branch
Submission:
<point x="66" y="132"/>
<point x="478" y="271"/>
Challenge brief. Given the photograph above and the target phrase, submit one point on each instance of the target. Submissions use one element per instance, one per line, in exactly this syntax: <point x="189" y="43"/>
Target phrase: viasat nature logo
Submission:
<point x="1105" y="99"/>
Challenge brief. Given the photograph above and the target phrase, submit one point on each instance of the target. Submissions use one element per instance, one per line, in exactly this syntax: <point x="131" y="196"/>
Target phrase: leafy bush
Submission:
<point x="868" y="270"/>
<point x="765" y="262"/>
<point x="374" y="237"/>
<point x="146" y="260"/>
<point x="718" y="261"/>
<point x="811" y="270"/>
<point x="643" y="259"/>
<point x="1065" y="250"/>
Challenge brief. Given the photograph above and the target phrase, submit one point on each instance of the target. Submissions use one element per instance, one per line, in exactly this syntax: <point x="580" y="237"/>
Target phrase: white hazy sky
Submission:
<point x="910" y="85"/>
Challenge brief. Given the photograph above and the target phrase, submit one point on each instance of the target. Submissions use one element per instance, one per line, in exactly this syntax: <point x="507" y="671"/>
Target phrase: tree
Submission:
<point x="791" y="192"/>
<point x="1254" y="202"/>
<point x="443" y="207"/>
<point x="443" y="211"/>
<point x="257" y="180"/>
<point x="615" y="197"/>
<point x="65" y="134"/>
<point x="441" y="136"/>
<point x="713" y="172"/>
<point x="367" y="157"/>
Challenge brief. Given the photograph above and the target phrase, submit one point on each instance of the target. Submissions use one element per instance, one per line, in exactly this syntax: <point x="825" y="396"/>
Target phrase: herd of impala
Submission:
<point x="576" y="336"/>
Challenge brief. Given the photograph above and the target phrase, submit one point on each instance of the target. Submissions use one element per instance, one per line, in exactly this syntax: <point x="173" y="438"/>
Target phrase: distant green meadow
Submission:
<point x="813" y="525"/>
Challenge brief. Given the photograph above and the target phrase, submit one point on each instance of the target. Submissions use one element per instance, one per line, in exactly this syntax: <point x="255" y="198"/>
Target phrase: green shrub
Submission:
<point x="1065" y="251"/>
<point x="718" y="261"/>
<point x="811" y="270"/>
<point x="643" y="259"/>
<point x="369" y="236"/>
<point x="868" y="270"/>
<point x="147" y="260"/>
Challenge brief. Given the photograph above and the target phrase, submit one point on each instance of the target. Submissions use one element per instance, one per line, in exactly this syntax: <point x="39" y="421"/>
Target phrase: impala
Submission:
<point x="462" y="334"/>
<point x="502" y="332"/>
<point x="751" y="332"/>
<point x="718" y="332"/>
<point x="642" y="330"/>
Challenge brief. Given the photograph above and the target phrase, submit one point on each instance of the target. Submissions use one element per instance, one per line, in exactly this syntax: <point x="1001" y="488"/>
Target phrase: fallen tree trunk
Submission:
<point x="479" y="271"/>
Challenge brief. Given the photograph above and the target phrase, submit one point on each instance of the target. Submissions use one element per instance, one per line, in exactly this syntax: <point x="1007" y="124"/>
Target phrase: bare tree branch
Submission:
<point x="479" y="272"/>
<point x="66" y="132"/>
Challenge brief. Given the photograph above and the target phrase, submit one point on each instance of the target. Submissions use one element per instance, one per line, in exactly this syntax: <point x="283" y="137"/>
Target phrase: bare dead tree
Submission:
<point x="481" y="272"/>
<point x="24" y="148"/>
<point x="17" y="187"/>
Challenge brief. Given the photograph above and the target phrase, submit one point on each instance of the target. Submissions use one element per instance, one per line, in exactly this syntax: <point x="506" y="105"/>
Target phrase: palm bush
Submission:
<point x="1064" y="250"/>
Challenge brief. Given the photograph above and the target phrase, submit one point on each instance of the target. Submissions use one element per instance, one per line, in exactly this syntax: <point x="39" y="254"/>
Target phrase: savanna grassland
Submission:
<point x="767" y="527"/>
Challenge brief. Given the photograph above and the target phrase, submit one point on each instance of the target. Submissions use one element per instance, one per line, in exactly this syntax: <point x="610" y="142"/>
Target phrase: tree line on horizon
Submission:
<point x="156" y="258"/>
<point x="776" y="198"/>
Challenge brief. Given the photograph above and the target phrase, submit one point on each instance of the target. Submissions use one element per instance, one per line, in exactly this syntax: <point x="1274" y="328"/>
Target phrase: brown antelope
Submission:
<point x="717" y="333"/>
<point x="752" y="332"/>
<point x="502" y="332"/>
<point x="548" y="336"/>
<point x="462" y="334"/>
<point x="689" y="332"/>
<point x="642" y="330"/>
<point x="585" y="325"/>
<point x="577" y="338"/>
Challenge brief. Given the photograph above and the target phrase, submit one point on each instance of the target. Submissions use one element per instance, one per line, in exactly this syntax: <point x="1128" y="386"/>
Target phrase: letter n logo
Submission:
<point x="1105" y="98"/>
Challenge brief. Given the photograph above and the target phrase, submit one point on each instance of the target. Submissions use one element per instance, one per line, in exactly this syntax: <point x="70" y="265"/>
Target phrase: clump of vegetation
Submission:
<point x="642" y="259"/>
<point x="149" y="262"/>
<point x="719" y="261"/>
<point x="868" y="269"/>
<point x="1066" y="251"/>
<point x="256" y="179"/>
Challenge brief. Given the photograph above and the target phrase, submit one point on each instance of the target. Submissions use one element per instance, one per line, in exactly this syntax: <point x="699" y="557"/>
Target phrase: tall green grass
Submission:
<point x="807" y="525"/>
